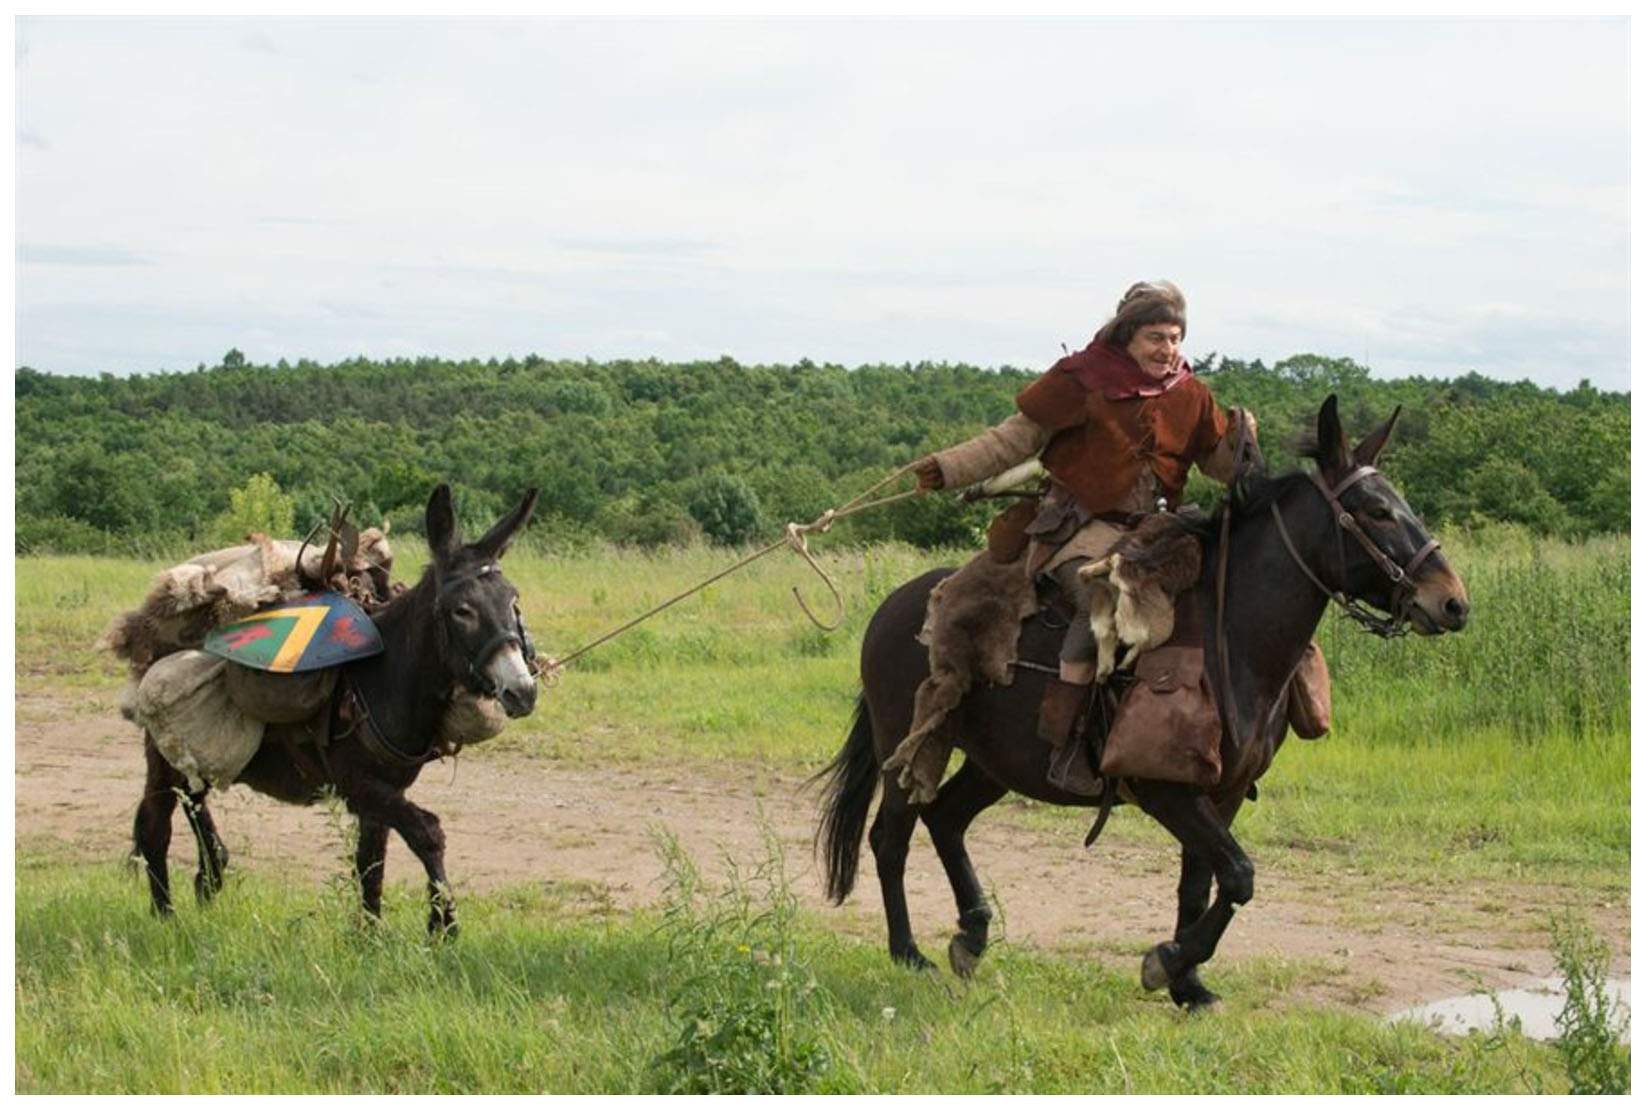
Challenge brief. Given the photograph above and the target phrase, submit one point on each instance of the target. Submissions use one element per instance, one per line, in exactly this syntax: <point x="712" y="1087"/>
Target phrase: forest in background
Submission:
<point x="650" y="453"/>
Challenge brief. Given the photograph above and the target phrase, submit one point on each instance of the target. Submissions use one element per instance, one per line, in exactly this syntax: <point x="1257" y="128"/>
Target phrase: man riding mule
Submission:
<point x="1117" y="426"/>
<point x="1276" y="553"/>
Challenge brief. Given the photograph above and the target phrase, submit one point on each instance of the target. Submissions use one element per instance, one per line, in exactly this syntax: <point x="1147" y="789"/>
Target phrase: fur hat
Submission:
<point x="1146" y="302"/>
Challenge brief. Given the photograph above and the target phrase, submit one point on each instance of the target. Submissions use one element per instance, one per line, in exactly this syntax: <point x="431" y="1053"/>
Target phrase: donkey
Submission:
<point x="1286" y="552"/>
<point x="460" y="626"/>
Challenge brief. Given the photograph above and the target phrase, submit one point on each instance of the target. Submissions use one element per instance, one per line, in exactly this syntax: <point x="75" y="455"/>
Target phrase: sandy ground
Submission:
<point x="1381" y="945"/>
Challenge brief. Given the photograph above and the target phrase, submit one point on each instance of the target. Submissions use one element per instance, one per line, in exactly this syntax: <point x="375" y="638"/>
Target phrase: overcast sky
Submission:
<point x="1427" y="197"/>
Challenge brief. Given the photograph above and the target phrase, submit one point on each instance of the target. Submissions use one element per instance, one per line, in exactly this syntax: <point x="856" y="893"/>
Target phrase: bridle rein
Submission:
<point x="1396" y="623"/>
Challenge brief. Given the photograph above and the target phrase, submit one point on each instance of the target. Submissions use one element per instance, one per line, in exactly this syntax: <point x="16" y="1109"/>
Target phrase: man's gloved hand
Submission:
<point x="929" y="474"/>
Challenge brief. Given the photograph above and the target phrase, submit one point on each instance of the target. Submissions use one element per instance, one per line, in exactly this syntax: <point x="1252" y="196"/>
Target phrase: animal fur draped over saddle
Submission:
<point x="207" y="715"/>
<point x="187" y="601"/>
<point x="1133" y="587"/>
<point x="974" y="617"/>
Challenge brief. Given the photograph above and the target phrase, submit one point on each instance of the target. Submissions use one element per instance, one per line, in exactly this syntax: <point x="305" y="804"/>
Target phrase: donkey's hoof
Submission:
<point x="1156" y="970"/>
<point x="964" y="955"/>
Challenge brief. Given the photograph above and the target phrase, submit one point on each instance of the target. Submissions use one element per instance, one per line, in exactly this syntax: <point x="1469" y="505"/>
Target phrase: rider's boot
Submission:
<point x="1063" y="724"/>
<point x="1065" y="698"/>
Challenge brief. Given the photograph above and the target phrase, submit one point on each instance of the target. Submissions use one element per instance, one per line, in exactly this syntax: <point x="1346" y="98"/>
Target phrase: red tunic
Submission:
<point x="1100" y="445"/>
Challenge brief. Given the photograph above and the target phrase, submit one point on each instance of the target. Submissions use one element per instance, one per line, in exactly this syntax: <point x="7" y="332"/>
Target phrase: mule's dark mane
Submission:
<point x="1249" y="497"/>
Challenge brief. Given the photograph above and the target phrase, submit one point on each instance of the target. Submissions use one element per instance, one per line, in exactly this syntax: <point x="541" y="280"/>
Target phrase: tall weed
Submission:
<point x="1589" y="1043"/>
<point x="748" y="1004"/>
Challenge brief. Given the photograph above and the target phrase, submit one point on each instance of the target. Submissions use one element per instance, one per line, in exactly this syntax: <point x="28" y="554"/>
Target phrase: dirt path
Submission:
<point x="516" y="819"/>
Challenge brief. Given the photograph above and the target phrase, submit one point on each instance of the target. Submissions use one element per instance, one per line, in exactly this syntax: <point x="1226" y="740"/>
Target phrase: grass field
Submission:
<point x="1498" y="754"/>
<point x="720" y="989"/>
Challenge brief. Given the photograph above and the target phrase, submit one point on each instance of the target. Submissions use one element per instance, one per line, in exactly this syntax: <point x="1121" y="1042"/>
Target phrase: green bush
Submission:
<point x="1589" y="1045"/>
<point x="749" y="1004"/>
<point x="725" y="508"/>
<point x="257" y="506"/>
<point x="60" y="535"/>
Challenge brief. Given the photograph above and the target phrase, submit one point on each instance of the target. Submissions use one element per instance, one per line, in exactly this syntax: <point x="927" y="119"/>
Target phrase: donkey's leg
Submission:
<point x="151" y="829"/>
<point x="214" y="857"/>
<point x="420" y="829"/>
<point x="889" y="839"/>
<point x="1191" y="817"/>
<point x="960" y="800"/>
<point x="370" y="850"/>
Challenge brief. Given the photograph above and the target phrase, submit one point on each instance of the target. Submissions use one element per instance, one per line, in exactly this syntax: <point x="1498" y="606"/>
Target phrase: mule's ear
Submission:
<point x="440" y="523"/>
<point x="1333" y="445"/>
<point x="1368" y="449"/>
<point x="494" y="543"/>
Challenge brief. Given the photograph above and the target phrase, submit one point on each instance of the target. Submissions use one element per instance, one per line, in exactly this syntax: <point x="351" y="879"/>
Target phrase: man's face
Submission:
<point x="1155" y="348"/>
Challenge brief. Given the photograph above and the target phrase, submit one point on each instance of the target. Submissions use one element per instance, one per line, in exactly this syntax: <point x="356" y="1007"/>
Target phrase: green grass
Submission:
<point x="1502" y="750"/>
<point x="738" y="672"/>
<point x="282" y="988"/>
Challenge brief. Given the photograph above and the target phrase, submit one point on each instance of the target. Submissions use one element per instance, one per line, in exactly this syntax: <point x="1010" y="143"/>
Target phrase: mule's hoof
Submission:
<point x="1155" y="972"/>
<point x="1203" y="1002"/>
<point x="445" y="929"/>
<point x="963" y="960"/>
<point x="914" y="959"/>
<point x="1191" y="995"/>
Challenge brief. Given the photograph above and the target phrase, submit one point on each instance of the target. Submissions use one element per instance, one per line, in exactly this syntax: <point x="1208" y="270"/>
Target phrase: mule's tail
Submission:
<point x="852" y="779"/>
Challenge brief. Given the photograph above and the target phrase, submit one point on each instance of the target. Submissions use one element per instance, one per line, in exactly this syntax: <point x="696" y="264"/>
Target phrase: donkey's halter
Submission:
<point x="1397" y="621"/>
<point x="477" y="680"/>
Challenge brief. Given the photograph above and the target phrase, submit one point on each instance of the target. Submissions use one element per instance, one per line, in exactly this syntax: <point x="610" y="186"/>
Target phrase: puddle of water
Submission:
<point x="1535" y="1005"/>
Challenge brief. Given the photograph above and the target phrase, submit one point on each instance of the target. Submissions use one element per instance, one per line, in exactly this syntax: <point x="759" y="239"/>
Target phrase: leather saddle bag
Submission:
<point x="1309" y="696"/>
<point x="1167" y="727"/>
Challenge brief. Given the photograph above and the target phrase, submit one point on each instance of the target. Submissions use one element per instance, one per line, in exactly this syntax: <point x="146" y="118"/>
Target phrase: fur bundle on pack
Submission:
<point x="187" y="601"/>
<point x="1133" y="587"/>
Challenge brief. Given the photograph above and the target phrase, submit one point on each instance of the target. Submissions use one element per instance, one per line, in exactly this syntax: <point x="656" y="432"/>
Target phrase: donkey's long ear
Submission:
<point x="440" y="524"/>
<point x="494" y="543"/>
<point x="1368" y="449"/>
<point x="1333" y="446"/>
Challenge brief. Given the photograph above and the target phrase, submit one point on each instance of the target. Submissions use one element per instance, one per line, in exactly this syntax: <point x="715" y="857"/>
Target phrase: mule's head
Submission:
<point x="482" y="637"/>
<point x="1438" y="603"/>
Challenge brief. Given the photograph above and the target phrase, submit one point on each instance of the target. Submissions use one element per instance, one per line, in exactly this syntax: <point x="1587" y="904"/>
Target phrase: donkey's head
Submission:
<point x="1387" y="556"/>
<point x="482" y="638"/>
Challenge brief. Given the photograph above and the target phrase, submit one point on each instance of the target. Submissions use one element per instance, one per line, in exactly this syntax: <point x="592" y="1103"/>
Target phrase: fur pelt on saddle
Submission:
<point x="972" y="622"/>
<point x="187" y="601"/>
<point x="974" y="616"/>
<point x="1133" y="587"/>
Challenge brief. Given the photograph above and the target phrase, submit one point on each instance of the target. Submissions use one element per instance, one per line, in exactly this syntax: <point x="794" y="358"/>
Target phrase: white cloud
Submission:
<point x="851" y="191"/>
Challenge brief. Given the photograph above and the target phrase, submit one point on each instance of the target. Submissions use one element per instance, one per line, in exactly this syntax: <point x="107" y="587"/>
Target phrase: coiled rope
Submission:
<point x="794" y="538"/>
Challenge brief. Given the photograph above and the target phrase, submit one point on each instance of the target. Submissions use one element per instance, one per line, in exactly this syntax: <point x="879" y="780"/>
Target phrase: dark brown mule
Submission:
<point x="1272" y="611"/>
<point x="459" y="626"/>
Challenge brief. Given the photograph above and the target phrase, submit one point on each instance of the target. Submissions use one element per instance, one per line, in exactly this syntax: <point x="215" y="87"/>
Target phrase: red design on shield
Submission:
<point x="239" y="638"/>
<point x="344" y="632"/>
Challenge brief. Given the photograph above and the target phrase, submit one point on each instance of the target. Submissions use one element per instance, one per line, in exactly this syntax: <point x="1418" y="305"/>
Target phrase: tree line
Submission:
<point x="653" y="453"/>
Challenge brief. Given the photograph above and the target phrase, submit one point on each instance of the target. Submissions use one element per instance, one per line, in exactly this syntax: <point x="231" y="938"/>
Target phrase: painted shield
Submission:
<point x="306" y="634"/>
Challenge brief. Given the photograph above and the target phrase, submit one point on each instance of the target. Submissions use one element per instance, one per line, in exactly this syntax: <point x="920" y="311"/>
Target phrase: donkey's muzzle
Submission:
<point x="518" y="701"/>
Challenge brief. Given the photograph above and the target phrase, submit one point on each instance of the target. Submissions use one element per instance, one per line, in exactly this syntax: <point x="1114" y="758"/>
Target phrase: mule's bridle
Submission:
<point x="1399" y="615"/>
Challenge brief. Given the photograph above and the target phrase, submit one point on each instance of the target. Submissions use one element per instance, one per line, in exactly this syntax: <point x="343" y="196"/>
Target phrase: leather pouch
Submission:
<point x="1167" y="727"/>
<point x="1309" y="696"/>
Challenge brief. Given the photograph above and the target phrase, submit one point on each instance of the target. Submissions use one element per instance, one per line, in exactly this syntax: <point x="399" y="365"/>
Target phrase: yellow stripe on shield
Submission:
<point x="309" y="619"/>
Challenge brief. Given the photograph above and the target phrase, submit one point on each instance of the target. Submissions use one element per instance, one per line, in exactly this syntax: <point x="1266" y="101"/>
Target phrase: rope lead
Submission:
<point x="794" y="538"/>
